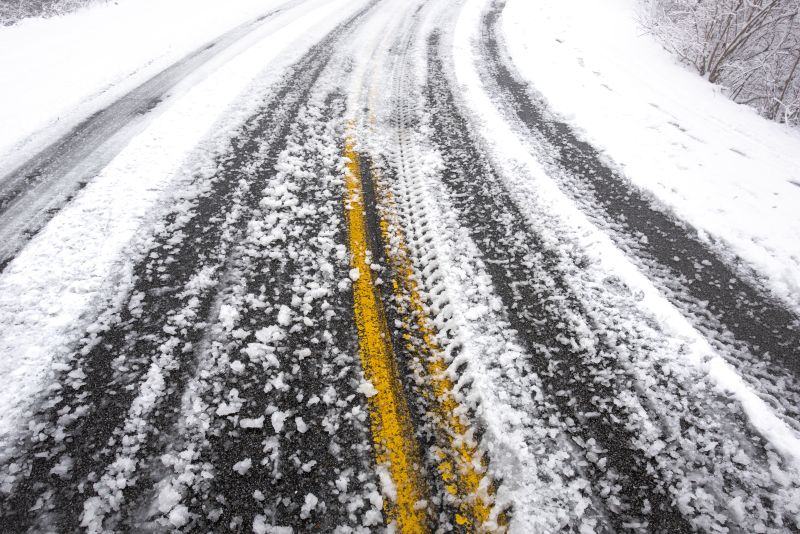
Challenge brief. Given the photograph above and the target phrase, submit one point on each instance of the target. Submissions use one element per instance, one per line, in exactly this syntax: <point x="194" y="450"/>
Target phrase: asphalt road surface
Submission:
<point x="363" y="318"/>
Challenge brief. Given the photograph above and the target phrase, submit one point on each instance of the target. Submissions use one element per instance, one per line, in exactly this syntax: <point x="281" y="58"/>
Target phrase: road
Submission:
<point x="362" y="315"/>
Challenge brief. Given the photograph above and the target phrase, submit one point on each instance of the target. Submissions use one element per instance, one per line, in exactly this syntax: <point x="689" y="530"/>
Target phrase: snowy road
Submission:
<point x="355" y="274"/>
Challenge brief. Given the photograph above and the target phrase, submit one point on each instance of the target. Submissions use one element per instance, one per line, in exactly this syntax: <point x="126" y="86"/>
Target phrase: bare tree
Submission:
<point x="12" y="11"/>
<point x="752" y="47"/>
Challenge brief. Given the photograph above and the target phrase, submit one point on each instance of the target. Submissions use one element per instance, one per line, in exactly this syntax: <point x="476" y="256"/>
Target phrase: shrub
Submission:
<point x="12" y="11"/>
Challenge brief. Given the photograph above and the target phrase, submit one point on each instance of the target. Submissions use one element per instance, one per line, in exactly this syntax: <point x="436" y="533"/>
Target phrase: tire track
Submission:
<point x="536" y="471"/>
<point x="461" y="493"/>
<point x="279" y="427"/>
<point x="527" y="459"/>
<point x="728" y="307"/>
<point x="582" y="382"/>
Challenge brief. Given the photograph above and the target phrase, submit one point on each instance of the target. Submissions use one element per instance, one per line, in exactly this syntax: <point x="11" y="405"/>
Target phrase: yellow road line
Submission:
<point x="463" y="468"/>
<point x="392" y="430"/>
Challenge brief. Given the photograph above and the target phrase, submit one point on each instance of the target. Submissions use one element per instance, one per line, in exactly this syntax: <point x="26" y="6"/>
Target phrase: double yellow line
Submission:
<point x="392" y="431"/>
<point x="460" y="464"/>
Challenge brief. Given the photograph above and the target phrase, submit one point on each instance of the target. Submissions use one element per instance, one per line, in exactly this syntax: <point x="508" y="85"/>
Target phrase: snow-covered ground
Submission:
<point x="550" y="209"/>
<point x="718" y="165"/>
<point x="87" y="59"/>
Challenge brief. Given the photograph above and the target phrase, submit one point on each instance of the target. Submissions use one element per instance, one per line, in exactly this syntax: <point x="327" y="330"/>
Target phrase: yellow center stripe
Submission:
<point x="392" y="431"/>
<point x="462" y="466"/>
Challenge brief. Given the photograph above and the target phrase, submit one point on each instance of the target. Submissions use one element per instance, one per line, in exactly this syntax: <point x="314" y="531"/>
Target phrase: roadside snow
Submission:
<point x="717" y="164"/>
<point x="60" y="70"/>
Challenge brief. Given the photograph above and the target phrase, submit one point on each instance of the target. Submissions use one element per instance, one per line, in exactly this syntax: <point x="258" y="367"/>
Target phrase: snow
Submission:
<point x="277" y="419"/>
<point x="367" y="389"/>
<point x="167" y="498"/>
<point x="257" y="422"/>
<point x="179" y="515"/>
<point x="228" y="316"/>
<point x="309" y="505"/>
<point x="284" y="315"/>
<point x="270" y="334"/>
<point x="301" y="425"/>
<point x="232" y="406"/>
<point x="260" y="526"/>
<point x="717" y="164"/>
<point x="388" y="487"/>
<point x="227" y="409"/>
<point x="88" y="58"/>
<point x="243" y="466"/>
<point x="63" y="467"/>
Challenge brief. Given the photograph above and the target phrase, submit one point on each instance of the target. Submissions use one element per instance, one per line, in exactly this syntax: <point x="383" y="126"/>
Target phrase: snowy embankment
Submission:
<point x="53" y="288"/>
<point x="730" y="173"/>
